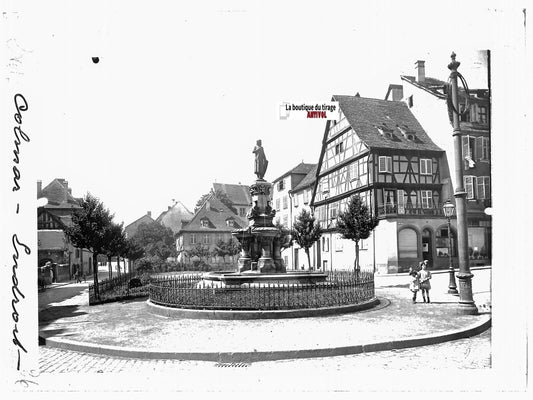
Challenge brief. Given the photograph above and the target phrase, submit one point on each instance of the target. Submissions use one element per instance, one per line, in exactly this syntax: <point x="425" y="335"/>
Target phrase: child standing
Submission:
<point x="425" y="285"/>
<point x="414" y="285"/>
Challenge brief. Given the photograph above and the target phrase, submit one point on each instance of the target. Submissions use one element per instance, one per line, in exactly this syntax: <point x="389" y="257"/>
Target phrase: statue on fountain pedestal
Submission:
<point x="261" y="163"/>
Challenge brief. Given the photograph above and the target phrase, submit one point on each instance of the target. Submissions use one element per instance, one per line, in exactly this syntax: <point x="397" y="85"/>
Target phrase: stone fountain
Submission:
<point x="260" y="259"/>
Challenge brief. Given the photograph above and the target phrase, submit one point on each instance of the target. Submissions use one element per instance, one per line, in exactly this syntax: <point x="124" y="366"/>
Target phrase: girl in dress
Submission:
<point x="425" y="285"/>
<point x="414" y="284"/>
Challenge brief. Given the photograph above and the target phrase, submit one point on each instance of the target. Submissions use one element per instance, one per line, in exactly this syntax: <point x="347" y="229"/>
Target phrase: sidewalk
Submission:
<point x="130" y="329"/>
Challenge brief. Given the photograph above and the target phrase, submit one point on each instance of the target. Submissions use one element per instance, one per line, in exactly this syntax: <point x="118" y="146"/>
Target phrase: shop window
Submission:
<point x="408" y="243"/>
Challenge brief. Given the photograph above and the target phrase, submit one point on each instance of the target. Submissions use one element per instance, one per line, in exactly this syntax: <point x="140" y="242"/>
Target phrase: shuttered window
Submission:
<point x="385" y="164"/>
<point x="469" y="182"/>
<point x="482" y="148"/>
<point x="483" y="187"/>
<point x="407" y="243"/>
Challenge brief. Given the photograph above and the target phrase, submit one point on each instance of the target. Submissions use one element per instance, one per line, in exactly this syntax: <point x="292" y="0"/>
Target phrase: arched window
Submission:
<point x="407" y="243"/>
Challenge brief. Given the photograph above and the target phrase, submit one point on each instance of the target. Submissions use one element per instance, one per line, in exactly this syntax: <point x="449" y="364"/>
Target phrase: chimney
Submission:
<point x="149" y="213"/>
<point x="421" y="71"/>
<point x="395" y="93"/>
<point x="39" y="188"/>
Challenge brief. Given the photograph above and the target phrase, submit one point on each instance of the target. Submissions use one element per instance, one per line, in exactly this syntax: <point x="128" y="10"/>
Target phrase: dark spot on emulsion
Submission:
<point x="96" y="60"/>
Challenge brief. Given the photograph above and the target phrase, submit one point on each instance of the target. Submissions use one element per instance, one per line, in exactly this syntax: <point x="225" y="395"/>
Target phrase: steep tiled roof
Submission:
<point x="175" y="217"/>
<point x="58" y="195"/>
<point x="300" y="169"/>
<point x="308" y="181"/>
<point x="366" y="115"/>
<point x="238" y="194"/>
<point x="131" y="229"/>
<point x="217" y="214"/>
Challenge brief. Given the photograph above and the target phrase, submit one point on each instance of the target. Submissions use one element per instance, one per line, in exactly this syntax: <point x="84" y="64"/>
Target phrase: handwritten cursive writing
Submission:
<point x="21" y="105"/>
<point x="17" y="294"/>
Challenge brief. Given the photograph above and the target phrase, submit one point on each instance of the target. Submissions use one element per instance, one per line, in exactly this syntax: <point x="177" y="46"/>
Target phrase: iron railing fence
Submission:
<point x="125" y="285"/>
<point x="191" y="291"/>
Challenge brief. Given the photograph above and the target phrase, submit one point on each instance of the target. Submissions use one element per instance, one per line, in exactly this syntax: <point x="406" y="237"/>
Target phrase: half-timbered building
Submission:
<point x="52" y="219"/>
<point x="378" y="151"/>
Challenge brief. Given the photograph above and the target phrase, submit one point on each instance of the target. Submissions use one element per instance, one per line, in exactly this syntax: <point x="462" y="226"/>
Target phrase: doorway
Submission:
<point x="427" y="246"/>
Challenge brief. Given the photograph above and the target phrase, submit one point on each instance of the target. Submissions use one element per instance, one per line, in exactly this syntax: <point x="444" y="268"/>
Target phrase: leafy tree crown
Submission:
<point x="356" y="222"/>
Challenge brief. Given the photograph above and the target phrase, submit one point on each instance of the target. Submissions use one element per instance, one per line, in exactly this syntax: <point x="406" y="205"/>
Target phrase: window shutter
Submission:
<point x="480" y="188"/>
<point x="487" y="188"/>
<point x="479" y="148"/>
<point x="466" y="146"/>
<point x="469" y="182"/>
<point x="382" y="166"/>
<point x="389" y="164"/>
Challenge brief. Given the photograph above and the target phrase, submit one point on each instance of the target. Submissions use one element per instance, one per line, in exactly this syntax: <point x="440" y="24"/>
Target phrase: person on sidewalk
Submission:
<point x="414" y="285"/>
<point x="425" y="277"/>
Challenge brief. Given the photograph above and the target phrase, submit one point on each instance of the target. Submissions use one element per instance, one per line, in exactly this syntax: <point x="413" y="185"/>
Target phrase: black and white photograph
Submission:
<point x="295" y="197"/>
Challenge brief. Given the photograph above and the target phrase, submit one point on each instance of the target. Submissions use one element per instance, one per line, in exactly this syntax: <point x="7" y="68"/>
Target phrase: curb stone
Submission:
<point x="255" y="356"/>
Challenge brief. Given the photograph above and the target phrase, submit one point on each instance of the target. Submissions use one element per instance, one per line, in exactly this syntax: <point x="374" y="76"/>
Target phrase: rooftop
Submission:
<point x="300" y="169"/>
<point x="368" y="116"/>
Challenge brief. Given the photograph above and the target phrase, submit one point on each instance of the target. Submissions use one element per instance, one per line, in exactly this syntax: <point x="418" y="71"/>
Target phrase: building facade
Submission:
<point x="300" y="199"/>
<point x="427" y="99"/>
<point x="175" y="217"/>
<point x="282" y="202"/>
<point x="212" y="222"/>
<point x="378" y="151"/>
<point x="131" y="229"/>
<point x="52" y="219"/>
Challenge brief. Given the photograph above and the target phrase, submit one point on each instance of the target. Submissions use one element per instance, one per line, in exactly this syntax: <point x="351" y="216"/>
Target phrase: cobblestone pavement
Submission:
<point x="471" y="353"/>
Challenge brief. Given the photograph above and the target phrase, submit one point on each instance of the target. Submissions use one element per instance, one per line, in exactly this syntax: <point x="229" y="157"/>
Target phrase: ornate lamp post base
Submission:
<point x="452" y="287"/>
<point x="466" y="303"/>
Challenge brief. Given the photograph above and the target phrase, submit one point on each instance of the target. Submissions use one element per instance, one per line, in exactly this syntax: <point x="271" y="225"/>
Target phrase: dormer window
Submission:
<point x="408" y="134"/>
<point x="385" y="132"/>
<point x="204" y="223"/>
<point x="230" y="222"/>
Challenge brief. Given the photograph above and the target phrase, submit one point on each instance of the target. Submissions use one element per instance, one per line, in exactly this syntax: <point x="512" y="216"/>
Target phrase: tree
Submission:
<point x="356" y="223"/>
<point x="306" y="231"/>
<point x="115" y="242"/>
<point x="88" y="230"/>
<point x="233" y="246"/>
<point x="155" y="240"/>
<point x="200" y="251"/>
<point x="220" y="195"/>
<point x="221" y="249"/>
<point x="284" y="234"/>
<point x="133" y="251"/>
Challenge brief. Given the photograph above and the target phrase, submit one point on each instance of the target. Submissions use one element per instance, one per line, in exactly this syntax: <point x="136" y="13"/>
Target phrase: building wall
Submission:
<point x="381" y="252"/>
<point x="432" y="114"/>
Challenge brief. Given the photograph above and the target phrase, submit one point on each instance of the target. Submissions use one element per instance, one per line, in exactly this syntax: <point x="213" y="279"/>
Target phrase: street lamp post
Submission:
<point x="449" y="210"/>
<point x="466" y="301"/>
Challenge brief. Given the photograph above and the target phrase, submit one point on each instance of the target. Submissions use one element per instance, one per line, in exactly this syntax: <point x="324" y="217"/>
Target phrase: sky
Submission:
<point x="181" y="92"/>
